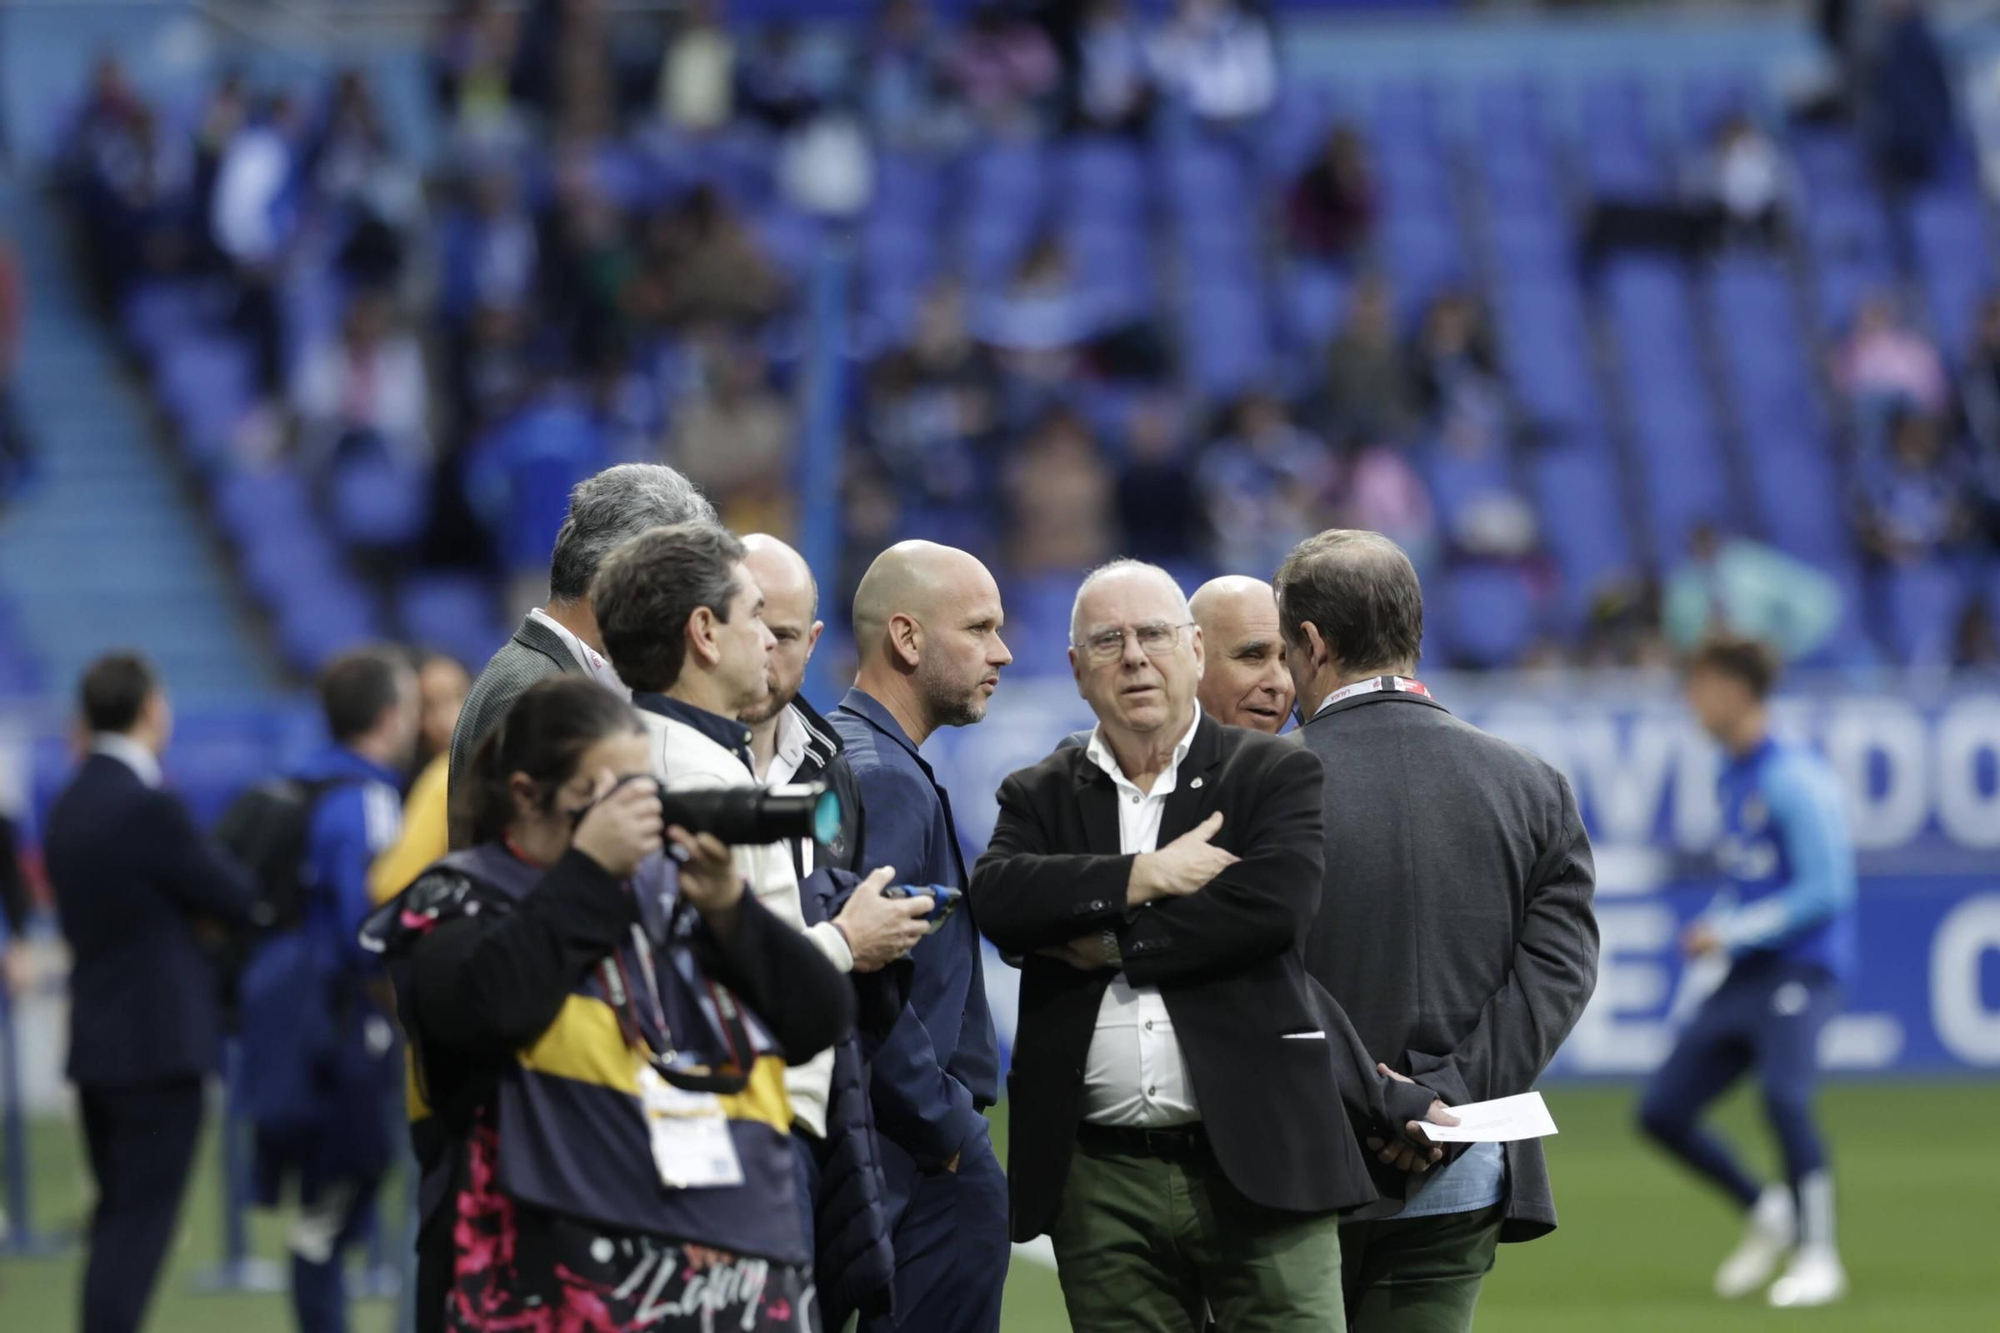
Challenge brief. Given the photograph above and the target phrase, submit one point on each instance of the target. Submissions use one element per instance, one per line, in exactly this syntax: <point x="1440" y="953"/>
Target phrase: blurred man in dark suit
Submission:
<point x="135" y="885"/>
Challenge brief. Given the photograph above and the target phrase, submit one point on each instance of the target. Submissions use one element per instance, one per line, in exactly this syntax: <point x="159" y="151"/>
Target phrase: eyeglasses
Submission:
<point x="1157" y="637"/>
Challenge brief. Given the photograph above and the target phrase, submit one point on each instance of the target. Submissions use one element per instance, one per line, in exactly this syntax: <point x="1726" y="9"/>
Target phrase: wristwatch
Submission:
<point x="1112" y="953"/>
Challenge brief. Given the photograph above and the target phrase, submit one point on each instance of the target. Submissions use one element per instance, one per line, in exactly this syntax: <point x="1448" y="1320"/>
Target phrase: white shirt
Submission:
<point x="788" y="753"/>
<point x="592" y="661"/>
<point x="129" y="753"/>
<point x="1135" y="1073"/>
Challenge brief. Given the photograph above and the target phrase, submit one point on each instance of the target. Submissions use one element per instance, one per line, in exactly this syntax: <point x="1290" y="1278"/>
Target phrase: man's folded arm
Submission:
<point x="1027" y="898"/>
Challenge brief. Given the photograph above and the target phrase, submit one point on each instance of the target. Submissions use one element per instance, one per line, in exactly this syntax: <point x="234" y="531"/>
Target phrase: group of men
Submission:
<point x="1252" y="964"/>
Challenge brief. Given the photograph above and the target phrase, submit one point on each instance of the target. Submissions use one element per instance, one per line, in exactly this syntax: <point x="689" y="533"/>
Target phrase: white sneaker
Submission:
<point x="1814" y="1277"/>
<point x="1767" y="1237"/>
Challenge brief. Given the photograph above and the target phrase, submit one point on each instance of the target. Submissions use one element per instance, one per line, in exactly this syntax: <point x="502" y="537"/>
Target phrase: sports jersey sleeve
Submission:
<point x="1805" y="808"/>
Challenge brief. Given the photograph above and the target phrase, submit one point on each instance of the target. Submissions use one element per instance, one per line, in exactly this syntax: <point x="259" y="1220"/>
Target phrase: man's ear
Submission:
<point x="812" y="637"/>
<point x="701" y="636"/>
<point x="906" y="640"/>
<point x="1317" y="651"/>
<point x="1200" y="652"/>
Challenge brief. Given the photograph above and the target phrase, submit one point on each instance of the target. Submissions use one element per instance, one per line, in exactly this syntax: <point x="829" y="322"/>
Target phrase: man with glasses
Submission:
<point x="1175" y="1113"/>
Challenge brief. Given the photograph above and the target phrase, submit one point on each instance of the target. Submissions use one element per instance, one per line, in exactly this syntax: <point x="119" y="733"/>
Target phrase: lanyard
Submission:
<point x="1376" y="685"/>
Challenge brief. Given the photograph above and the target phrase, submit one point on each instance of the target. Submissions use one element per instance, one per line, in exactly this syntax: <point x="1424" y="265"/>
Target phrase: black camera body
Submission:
<point x="751" y="816"/>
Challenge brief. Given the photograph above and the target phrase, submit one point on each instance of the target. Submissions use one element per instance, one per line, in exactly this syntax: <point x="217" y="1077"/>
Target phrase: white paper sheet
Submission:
<point x="1502" y="1120"/>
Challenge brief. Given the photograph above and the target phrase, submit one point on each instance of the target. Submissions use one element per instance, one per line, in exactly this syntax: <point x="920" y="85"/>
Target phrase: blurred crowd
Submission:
<point x="473" y="337"/>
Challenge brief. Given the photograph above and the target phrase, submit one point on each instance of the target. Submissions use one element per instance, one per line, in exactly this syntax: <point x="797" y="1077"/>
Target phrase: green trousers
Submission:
<point x="1146" y="1244"/>
<point x="1419" y="1275"/>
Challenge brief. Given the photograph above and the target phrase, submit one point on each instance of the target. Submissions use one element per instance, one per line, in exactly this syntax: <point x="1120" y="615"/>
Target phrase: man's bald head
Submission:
<point x="930" y="615"/>
<point x="1244" y="682"/>
<point x="791" y="610"/>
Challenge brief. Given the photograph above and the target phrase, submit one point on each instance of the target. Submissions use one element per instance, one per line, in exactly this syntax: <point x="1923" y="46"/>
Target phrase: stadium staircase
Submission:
<point x="106" y="548"/>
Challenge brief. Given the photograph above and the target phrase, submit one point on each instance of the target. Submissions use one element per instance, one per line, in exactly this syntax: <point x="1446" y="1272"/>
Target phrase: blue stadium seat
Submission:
<point x="1490" y="615"/>
<point x="1921" y="605"/>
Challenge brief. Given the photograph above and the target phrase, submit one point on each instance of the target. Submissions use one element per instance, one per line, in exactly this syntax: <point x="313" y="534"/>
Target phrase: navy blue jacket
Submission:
<point x="939" y="1065"/>
<point x="132" y="876"/>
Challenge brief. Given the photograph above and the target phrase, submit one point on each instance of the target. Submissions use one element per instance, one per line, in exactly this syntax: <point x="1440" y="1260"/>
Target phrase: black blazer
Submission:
<point x="132" y="876"/>
<point x="1229" y="961"/>
<point x="1456" y="924"/>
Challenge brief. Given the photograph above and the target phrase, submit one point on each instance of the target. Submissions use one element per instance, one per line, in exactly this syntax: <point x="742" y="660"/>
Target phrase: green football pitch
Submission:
<point x="1919" y="1178"/>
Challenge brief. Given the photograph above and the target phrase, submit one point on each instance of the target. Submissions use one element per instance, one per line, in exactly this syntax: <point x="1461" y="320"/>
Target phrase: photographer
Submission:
<point x="602" y="1126"/>
<point x="683" y="622"/>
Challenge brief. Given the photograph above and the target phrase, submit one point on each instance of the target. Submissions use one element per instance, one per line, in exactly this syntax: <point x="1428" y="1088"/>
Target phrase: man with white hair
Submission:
<point x="605" y="511"/>
<point x="1176" y="1118"/>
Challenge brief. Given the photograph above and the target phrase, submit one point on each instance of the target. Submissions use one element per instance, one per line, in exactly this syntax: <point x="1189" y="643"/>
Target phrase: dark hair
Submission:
<point x="114" y="691"/>
<point x="609" y="509"/>
<point x="543" y="735"/>
<point x="358" y="687"/>
<point x="1361" y="591"/>
<point x="1749" y="660"/>
<point x="648" y="589"/>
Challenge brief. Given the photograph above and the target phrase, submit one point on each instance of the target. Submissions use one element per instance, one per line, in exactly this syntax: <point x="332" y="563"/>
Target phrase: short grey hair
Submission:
<point x="1105" y="571"/>
<point x="611" y="508"/>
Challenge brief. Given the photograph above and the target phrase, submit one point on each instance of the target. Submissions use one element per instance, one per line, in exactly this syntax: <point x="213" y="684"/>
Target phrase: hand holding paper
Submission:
<point x="1502" y="1120"/>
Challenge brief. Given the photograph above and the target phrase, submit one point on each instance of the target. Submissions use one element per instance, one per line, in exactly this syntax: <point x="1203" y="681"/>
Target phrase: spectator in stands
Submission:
<point x="1218" y="60"/>
<point x="901" y="81"/>
<point x="1914" y="502"/>
<point x="1378" y="491"/>
<point x="1457" y="387"/>
<point x="442" y="683"/>
<point x="471" y="75"/>
<point x="720" y="273"/>
<point x="1059" y="493"/>
<point x="1738" y="586"/>
<point x="365" y="392"/>
<point x="1114" y="87"/>
<point x="1885" y="363"/>
<point x="222" y="119"/>
<point x="140" y="891"/>
<point x="1266" y="482"/>
<point x="1331" y="211"/>
<point x="1906" y="104"/>
<point x="375" y="194"/>
<point x="519" y="475"/>
<point x="1040" y="324"/>
<point x="1976" y="647"/>
<point x="604" y="511"/>
<point x="735" y="442"/>
<point x="774" y="86"/>
<point x="1158" y="510"/>
<point x="253" y="222"/>
<point x="698" y="73"/>
<point x="933" y="407"/>
<point x="1750" y="183"/>
<point x="1004" y="68"/>
<point x="1367" y="385"/>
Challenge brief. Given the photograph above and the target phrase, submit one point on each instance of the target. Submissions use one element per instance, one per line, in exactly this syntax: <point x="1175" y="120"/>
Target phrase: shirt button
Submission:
<point x="1149" y="1025"/>
<point x="1134" y="800"/>
<point x="1150" y="1090"/>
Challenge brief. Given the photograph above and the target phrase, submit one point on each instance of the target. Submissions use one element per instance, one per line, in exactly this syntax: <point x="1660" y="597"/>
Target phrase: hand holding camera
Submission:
<point x="622" y="827"/>
<point x="709" y="878"/>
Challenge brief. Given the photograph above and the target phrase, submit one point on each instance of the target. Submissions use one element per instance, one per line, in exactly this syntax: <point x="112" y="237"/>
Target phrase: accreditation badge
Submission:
<point x="690" y="1135"/>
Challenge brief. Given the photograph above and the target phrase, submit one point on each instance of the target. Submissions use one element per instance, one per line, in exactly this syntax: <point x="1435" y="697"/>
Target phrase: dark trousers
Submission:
<point x="1419" y="1274"/>
<point x="952" y="1250"/>
<point x="141" y="1144"/>
<point x="805" y="1161"/>
<point x="1767" y="1015"/>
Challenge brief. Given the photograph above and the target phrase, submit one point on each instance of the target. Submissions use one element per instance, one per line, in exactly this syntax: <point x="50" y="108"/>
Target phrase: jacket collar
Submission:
<point x="537" y="637"/>
<point x="727" y="732"/>
<point x="1353" y="702"/>
<point x="1097" y="794"/>
<point x="870" y="710"/>
<point x="1204" y="752"/>
<point x="145" y="765"/>
<point x="822" y="742"/>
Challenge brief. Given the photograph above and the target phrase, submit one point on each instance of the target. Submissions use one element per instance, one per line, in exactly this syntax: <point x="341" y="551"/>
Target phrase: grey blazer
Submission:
<point x="535" y="653"/>
<point x="1455" y="926"/>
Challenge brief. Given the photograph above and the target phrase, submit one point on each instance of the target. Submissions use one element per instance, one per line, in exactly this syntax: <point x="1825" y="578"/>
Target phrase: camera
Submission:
<point x="944" y="899"/>
<point x="751" y="816"/>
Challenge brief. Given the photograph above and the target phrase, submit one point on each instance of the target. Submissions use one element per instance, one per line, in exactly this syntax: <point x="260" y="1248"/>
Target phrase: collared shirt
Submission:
<point x="130" y="753"/>
<point x="592" y="661"/>
<point x="1135" y="1073"/>
<point x="788" y="749"/>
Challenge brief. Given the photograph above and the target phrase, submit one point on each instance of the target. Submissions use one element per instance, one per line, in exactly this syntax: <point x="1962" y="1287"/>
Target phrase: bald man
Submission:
<point x="927" y="629"/>
<point x="1244" y="680"/>
<point x="790" y="742"/>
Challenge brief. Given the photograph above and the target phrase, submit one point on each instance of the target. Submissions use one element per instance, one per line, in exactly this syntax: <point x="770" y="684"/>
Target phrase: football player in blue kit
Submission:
<point x="1785" y="922"/>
